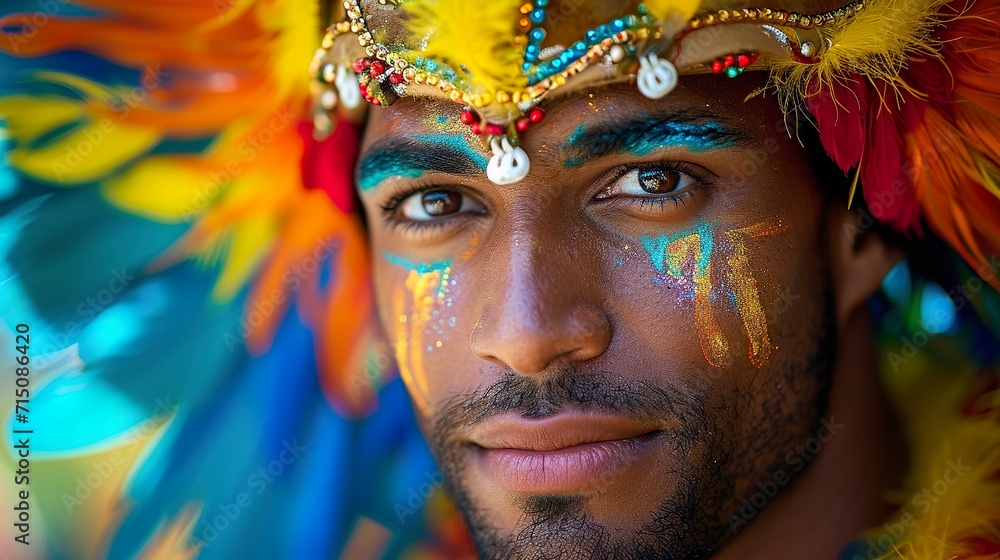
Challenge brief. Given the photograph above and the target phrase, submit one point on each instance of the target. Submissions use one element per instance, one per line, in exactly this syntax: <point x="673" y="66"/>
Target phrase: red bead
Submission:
<point x="494" y="129"/>
<point x="376" y="102"/>
<point x="476" y="129"/>
<point x="363" y="88"/>
<point x="752" y="58"/>
<point x="467" y="117"/>
<point x="522" y="124"/>
<point x="396" y="78"/>
<point x="728" y="61"/>
<point x="717" y="66"/>
<point x="377" y="67"/>
<point x="536" y="115"/>
<point x="743" y="61"/>
<point x="360" y="65"/>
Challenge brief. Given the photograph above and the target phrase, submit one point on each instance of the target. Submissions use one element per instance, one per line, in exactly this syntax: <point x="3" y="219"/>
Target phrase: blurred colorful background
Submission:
<point x="184" y="280"/>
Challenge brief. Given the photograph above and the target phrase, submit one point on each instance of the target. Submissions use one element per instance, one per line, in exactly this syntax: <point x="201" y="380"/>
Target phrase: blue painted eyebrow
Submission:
<point x="414" y="156"/>
<point x="695" y="131"/>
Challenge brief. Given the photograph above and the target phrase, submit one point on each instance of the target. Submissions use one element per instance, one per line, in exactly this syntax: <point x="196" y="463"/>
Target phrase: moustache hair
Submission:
<point x="576" y="388"/>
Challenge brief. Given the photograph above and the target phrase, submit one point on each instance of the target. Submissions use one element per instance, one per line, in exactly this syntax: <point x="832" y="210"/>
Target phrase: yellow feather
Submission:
<point x="672" y="9"/>
<point x="89" y="152"/>
<point x="875" y="43"/>
<point x="477" y="35"/>
<point x="248" y="243"/>
<point x="166" y="189"/>
<point x="30" y="117"/>
<point x="952" y="491"/>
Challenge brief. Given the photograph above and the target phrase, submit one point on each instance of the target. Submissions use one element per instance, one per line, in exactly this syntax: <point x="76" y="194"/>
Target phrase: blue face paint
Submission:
<point x="656" y="248"/>
<point x="411" y="157"/>
<point x="386" y="170"/>
<point x="458" y="144"/>
<point x="419" y="268"/>
<point x="670" y="253"/>
<point x="694" y="138"/>
<point x="645" y="136"/>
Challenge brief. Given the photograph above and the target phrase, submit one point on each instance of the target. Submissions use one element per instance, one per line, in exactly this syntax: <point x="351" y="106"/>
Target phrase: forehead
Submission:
<point x="706" y="96"/>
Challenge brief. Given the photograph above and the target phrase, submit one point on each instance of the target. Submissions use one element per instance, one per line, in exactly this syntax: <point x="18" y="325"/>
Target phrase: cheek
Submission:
<point x="709" y="271"/>
<point x="418" y="305"/>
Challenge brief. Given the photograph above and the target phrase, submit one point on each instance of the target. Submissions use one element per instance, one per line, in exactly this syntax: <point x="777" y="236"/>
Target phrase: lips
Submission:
<point x="567" y="453"/>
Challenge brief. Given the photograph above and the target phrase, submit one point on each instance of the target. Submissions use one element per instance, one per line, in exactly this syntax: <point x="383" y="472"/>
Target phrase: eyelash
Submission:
<point x="703" y="179"/>
<point x="677" y="199"/>
<point x="415" y="228"/>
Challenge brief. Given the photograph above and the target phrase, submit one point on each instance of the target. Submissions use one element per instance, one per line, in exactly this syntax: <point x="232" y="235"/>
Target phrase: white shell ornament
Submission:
<point x="509" y="164"/>
<point x="657" y="76"/>
<point x="348" y="87"/>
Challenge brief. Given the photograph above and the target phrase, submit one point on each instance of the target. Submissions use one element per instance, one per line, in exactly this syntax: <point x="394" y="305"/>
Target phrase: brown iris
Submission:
<point x="441" y="203"/>
<point x="658" y="181"/>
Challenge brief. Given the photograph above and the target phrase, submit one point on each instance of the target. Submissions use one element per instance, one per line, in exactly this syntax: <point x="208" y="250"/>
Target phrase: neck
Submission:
<point x="840" y="493"/>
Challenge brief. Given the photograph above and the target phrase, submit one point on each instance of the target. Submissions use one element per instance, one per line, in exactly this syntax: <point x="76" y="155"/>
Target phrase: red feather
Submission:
<point x="932" y="150"/>
<point x="887" y="188"/>
<point x="840" y="117"/>
<point x="328" y="164"/>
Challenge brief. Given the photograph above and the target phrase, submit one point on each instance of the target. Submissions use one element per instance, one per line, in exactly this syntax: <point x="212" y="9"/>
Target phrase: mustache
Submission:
<point x="576" y="388"/>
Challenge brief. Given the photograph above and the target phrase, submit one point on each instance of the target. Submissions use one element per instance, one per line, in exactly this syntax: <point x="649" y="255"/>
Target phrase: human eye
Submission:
<point x="655" y="187"/>
<point x="434" y="204"/>
<point x="431" y="210"/>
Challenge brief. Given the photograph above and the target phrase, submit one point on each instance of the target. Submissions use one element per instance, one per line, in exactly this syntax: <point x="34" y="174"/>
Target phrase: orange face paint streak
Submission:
<point x="468" y="254"/>
<point x="402" y="338"/>
<point x="713" y="342"/>
<point x="748" y="303"/>
<point x="426" y="289"/>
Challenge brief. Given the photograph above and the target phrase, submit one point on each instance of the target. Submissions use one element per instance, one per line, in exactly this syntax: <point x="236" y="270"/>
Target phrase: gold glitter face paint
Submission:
<point x="425" y="291"/>
<point x="670" y="254"/>
<point x="743" y="286"/>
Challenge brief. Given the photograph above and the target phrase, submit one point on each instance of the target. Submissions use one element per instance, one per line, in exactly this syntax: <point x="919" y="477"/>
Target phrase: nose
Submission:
<point x="544" y="307"/>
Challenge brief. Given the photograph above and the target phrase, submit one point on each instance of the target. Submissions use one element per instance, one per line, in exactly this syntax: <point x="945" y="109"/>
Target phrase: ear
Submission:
<point x="860" y="257"/>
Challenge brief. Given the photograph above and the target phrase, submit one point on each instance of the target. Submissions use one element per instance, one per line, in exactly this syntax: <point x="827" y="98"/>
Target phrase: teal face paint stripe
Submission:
<point x="643" y="137"/>
<point x="371" y="180"/>
<point x="656" y="247"/>
<point x="695" y="139"/>
<point x="412" y="157"/>
<point x="420" y="268"/>
<point x="458" y="144"/>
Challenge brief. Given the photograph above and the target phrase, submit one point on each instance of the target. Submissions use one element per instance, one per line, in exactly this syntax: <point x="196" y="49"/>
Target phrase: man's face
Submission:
<point x="607" y="355"/>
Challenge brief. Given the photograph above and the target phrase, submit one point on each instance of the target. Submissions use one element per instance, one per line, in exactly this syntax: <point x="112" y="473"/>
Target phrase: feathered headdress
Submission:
<point x="901" y="91"/>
